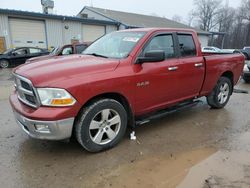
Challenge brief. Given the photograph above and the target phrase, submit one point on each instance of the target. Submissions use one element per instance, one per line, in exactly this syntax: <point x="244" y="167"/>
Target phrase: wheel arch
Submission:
<point x="230" y="76"/>
<point x="115" y="96"/>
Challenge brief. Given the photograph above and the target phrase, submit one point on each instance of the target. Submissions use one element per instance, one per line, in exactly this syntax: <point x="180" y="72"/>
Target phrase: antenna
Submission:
<point x="48" y="6"/>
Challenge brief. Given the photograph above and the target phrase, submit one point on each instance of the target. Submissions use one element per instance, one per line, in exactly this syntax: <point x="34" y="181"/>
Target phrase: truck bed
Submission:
<point x="218" y="64"/>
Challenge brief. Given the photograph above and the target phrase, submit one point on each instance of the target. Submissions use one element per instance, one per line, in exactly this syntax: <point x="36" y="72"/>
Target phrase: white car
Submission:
<point x="211" y="49"/>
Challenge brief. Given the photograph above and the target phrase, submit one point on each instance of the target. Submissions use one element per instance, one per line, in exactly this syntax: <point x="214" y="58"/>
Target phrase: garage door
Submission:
<point x="2" y="44"/>
<point x="92" y="32"/>
<point x="27" y="33"/>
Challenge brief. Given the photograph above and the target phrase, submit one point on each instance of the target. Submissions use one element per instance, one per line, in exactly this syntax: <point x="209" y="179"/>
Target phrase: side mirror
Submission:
<point x="14" y="53"/>
<point x="152" y="56"/>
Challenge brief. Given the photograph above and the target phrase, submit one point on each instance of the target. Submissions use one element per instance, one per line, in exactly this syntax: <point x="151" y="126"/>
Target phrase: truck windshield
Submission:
<point x="115" y="45"/>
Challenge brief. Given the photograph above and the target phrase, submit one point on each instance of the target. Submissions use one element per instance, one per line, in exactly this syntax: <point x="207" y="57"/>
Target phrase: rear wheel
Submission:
<point x="101" y="125"/>
<point x="221" y="93"/>
<point x="4" y="63"/>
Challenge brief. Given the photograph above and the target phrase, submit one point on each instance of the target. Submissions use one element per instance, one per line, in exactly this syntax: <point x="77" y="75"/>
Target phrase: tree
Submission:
<point x="177" y="18"/>
<point x="206" y="13"/>
<point x="226" y="19"/>
<point x="211" y="15"/>
<point x="244" y="14"/>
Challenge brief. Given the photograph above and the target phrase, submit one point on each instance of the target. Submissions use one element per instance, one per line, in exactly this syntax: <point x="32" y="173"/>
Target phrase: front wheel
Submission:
<point x="101" y="125"/>
<point x="221" y="93"/>
<point x="4" y="63"/>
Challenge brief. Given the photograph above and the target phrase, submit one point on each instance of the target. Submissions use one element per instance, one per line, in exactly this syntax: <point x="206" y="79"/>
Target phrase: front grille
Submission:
<point x="25" y="85"/>
<point x="26" y="92"/>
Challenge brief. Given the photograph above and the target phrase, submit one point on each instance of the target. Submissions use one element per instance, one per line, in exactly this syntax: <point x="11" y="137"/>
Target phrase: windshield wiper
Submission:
<point x="97" y="55"/>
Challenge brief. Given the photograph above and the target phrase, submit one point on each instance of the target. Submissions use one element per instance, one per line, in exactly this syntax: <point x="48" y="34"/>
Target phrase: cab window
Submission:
<point x="80" y="48"/>
<point x="67" y="51"/>
<point x="161" y="42"/>
<point x="187" y="45"/>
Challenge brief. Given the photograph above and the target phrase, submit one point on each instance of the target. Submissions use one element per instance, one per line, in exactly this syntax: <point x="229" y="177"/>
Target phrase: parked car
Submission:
<point x="211" y="49"/>
<point x="246" y="52"/>
<point x="246" y="73"/>
<point x="75" y="48"/>
<point x="17" y="56"/>
<point x="118" y="81"/>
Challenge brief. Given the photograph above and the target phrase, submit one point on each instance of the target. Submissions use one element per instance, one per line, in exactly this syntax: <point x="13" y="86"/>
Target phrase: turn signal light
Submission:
<point x="62" y="102"/>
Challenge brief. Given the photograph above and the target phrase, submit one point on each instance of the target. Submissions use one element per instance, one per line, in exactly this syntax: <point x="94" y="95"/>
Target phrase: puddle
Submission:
<point x="162" y="171"/>
<point x="222" y="169"/>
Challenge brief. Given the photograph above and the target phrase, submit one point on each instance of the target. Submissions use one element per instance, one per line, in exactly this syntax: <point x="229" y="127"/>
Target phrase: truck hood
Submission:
<point x="45" y="73"/>
<point x="39" y="58"/>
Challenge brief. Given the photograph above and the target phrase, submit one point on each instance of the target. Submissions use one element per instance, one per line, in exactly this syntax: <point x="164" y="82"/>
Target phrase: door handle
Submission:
<point x="198" y="64"/>
<point x="172" y="68"/>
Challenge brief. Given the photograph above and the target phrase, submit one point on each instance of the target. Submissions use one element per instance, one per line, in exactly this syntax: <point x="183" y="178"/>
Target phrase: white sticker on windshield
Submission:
<point x="131" y="39"/>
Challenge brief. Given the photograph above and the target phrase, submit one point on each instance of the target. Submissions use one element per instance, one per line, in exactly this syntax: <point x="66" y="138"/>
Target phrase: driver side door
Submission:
<point x="157" y="82"/>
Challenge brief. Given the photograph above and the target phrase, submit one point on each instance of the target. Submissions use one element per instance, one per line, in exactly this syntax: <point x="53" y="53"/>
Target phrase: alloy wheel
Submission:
<point x="224" y="93"/>
<point x="105" y="126"/>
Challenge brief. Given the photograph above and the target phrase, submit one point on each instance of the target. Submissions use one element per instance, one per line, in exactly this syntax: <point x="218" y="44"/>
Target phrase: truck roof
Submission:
<point x="160" y="29"/>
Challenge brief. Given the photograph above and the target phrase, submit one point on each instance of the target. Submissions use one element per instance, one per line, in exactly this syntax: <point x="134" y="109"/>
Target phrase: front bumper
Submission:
<point x="55" y="130"/>
<point x="57" y="122"/>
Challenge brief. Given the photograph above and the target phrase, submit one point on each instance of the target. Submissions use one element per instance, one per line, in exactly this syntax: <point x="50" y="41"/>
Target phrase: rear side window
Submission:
<point x="162" y="42"/>
<point x="67" y="51"/>
<point x="80" y="48"/>
<point x="187" y="45"/>
<point x="35" y="50"/>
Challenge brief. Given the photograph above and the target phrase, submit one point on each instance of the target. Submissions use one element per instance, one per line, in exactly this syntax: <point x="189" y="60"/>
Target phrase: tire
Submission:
<point x="246" y="79"/>
<point x="4" y="63"/>
<point x="246" y="56"/>
<point x="101" y="125"/>
<point x="221" y="93"/>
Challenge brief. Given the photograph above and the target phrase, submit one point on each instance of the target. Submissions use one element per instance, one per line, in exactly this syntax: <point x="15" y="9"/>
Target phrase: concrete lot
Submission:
<point x="198" y="147"/>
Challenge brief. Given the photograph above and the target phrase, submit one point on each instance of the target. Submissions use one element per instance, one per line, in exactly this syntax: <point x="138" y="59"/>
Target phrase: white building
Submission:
<point x="21" y="28"/>
<point x="131" y="20"/>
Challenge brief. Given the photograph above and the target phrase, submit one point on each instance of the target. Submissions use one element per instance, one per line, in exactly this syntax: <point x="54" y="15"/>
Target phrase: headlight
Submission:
<point x="55" y="97"/>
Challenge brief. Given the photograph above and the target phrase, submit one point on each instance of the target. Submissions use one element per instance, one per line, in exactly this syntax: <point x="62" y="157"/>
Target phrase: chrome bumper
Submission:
<point x="54" y="130"/>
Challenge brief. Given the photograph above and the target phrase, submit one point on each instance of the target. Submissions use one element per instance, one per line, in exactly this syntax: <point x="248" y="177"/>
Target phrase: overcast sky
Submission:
<point x="167" y="8"/>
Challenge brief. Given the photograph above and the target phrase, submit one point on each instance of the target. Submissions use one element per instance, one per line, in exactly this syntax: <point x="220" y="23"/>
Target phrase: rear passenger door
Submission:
<point x="191" y="67"/>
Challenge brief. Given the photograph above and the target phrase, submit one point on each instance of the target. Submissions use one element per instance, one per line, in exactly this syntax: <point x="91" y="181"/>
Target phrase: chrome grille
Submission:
<point x="26" y="92"/>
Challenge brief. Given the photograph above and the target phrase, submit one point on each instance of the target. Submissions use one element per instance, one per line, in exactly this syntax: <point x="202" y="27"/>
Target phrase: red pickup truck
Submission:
<point x="120" y="78"/>
<point x="68" y="49"/>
